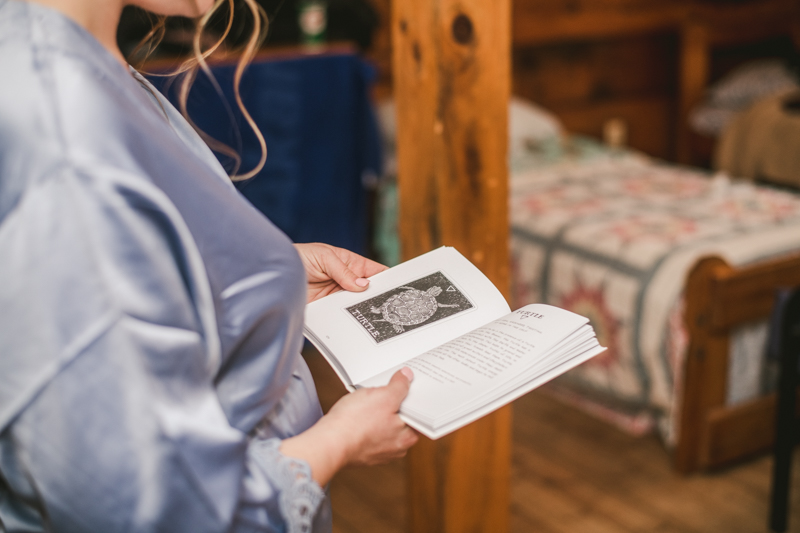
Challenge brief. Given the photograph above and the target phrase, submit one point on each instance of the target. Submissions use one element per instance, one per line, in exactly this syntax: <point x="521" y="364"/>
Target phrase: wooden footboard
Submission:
<point x="718" y="299"/>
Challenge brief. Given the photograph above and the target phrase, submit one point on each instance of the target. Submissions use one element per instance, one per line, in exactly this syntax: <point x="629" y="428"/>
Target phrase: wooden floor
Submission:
<point x="572" y="473"/>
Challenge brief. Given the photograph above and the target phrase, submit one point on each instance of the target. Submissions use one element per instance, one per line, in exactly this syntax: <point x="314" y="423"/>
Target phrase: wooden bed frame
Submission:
<point x="719" y="297"/>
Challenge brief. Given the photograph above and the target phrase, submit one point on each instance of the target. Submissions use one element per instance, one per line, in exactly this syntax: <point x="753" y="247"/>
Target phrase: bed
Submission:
<point x="674" y="266"/>
<point x="676" y="269"/>
<point x="693" y="289"/>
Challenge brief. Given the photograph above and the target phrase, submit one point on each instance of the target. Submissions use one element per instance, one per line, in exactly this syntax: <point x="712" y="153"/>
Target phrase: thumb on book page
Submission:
<point x="400" y="383"/>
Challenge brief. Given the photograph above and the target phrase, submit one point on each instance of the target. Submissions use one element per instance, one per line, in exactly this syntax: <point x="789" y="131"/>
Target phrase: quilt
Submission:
<point x="613" y="237"/>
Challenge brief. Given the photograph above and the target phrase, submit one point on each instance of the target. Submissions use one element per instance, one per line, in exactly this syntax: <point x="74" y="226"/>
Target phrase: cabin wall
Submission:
<point x="587" y="83"/>
<point x="593" y="61"/>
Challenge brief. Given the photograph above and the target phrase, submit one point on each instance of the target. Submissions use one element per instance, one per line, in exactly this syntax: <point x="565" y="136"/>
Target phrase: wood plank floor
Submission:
<point x="572" y="473"/>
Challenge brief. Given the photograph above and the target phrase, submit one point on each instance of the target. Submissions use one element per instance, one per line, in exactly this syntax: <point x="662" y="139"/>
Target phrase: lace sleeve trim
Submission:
<point x="301" y="495"/>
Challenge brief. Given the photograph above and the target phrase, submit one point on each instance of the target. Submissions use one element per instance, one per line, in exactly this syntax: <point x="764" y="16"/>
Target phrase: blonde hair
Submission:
<point x="187" y="72"/>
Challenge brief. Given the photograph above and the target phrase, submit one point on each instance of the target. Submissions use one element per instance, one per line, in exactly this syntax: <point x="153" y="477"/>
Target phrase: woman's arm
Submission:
<point x="361" y="428"/>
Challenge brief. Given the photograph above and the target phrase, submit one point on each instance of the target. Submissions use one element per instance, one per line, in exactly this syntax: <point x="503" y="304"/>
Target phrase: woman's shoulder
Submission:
<point x="61" y="97"/>
<point x="59" y="81"/>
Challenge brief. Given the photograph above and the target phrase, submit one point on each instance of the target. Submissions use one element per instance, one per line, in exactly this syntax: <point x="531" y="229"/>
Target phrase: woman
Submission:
<point x="150" y="319"/>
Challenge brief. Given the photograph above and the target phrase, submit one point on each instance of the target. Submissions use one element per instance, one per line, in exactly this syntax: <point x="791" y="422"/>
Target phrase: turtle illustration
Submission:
<point x="410" y="307"/>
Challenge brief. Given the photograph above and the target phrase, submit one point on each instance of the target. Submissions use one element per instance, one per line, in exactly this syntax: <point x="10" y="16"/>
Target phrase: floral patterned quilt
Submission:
<point x="613" y="237"/>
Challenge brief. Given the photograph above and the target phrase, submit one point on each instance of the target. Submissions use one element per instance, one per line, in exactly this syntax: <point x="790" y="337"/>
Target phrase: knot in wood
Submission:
<point x="463" y="31"/>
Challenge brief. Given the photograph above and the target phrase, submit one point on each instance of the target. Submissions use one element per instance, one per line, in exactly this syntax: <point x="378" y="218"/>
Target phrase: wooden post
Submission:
<point x="706" y="368"/>
<point x="693" y="82"/>
<point x="451" y="85"/>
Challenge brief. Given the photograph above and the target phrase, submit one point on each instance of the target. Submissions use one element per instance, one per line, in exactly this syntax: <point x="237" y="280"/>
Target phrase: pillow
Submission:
<point x="737" y="91"/>
<point x="527" y="124"/>
<point x="751" y="82"/>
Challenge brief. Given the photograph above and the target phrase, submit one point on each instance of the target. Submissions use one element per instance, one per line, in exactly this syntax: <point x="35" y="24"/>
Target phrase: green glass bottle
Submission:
<point x="313" y="20"/>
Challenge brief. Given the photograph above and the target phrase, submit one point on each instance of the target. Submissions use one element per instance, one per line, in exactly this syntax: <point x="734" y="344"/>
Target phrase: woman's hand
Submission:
<point x="362" y="428"/>
<point x="369" y="417"/>
<point x="331" y="269"/>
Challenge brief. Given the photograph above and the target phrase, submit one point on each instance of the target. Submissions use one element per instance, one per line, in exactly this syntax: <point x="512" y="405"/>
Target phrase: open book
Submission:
<point x="440" y="316"/>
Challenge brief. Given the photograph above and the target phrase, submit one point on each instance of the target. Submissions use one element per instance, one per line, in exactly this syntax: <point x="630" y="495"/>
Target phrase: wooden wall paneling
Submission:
<point x="694" y="68"/>
<point x="537" y="22"/>
<point x="451" y="80"/>
<point x="585" y="70"/>
<point x="747" y="21"/>
<point x="708" y="26"/>
<point x="587" y="83"/>
<point x="650" y="121"/>
<point x="701" y="25"/>
<point x="546" y="21"/>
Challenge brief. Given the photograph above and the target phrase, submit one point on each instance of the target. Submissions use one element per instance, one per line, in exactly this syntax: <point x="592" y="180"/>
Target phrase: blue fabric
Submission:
<point x="321" y="134"/>
<point x="150" y="317"/>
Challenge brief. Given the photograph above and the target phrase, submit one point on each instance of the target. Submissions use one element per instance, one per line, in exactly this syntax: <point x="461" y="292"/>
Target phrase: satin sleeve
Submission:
<point x="110" y="418"/>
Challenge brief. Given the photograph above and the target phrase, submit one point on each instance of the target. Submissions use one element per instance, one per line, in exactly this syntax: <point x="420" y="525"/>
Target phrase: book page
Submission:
<point x="583" y="342"/>
<point x="464" y="372"/>
<point x="505" y="396"/>
<point x="405" y="311"/>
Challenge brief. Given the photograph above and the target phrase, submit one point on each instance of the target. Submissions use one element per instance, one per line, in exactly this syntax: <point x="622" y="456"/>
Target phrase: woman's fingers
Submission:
<point x="351" y="270"/>
<point x="408" y="439"/>
<point x="331" y="269"/>
<point x="399" y="384"/>
<point x="368" y="419"/>
<point x="339" y="272"/>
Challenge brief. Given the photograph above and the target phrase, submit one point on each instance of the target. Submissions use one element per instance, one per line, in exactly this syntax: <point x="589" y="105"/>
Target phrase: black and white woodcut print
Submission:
<point x="408" y="307"/>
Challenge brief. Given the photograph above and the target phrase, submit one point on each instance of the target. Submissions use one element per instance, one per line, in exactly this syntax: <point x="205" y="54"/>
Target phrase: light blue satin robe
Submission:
<point x="150" y="318"/>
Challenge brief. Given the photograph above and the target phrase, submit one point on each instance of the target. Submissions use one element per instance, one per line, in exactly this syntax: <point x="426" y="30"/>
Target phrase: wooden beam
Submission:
<point x="451" y="75"/>
<point x="694" y="68"/>
<point x="751" y="21"/>
<point x="537" y="24"/>
<point x="755" y="285"/>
